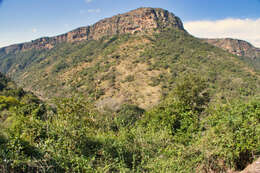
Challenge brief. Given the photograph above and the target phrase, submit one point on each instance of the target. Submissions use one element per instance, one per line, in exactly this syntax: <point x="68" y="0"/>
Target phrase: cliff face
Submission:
<point x="139" y="20"/>
<point x="236" y="47"/>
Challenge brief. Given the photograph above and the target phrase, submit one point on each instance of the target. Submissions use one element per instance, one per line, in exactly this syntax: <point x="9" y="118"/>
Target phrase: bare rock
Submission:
<point x="236" y="47"/>
<point x="139" y="20"/>
<point x="253" y="168"/>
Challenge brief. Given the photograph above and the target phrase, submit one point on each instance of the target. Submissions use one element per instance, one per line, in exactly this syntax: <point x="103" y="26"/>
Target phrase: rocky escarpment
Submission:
<point x="139" y="20"/>
<point x="236" y="47"/>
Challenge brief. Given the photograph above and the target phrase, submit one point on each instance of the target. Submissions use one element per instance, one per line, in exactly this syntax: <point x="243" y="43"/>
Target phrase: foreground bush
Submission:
<point x="172" y="137"/>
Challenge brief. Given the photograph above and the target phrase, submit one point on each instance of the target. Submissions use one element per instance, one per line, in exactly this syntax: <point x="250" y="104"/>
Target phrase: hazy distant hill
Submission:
<point x="246" y="51"/>
<point x="236" y="47"/>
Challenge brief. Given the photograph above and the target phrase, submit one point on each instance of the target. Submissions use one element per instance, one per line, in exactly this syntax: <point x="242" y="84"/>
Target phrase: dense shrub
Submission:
<point x="127" y="115"/>
<point x="234" y="134"/>
<point x="170" y="138"/>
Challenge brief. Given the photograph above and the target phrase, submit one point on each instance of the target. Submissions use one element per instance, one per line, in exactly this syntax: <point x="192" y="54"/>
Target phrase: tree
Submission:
<point x="191" y="92"/>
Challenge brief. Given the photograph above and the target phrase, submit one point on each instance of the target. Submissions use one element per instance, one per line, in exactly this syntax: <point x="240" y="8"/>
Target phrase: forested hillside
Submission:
<point x="138" y="69"/>
<point x="132" y="93"/>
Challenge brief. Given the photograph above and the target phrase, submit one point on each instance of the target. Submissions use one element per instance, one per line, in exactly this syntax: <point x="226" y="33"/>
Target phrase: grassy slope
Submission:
<point x="137" y="69"/>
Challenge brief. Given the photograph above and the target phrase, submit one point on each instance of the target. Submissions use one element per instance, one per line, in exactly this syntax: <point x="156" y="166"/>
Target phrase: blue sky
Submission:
<point x="25" y="20"/>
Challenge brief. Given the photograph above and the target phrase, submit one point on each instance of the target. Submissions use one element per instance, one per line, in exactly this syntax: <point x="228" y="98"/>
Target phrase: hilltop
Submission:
<point x="139" y="20"/>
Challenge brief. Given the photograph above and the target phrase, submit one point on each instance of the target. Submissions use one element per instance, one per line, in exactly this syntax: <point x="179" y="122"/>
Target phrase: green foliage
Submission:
<point x="3" y="82"/>
<point x="191" y="91"/>
<point x="129" y="78"/>
<point x="197" y="127"/>
<point x="58" y="67"/>
<point x="155" y="81"/>
<point x="234" y="133"/>
<point x="6" y="102"/>
<point x="171" y="138"/>
<point x="127" y="115"/>
<point x="180" y="111"/>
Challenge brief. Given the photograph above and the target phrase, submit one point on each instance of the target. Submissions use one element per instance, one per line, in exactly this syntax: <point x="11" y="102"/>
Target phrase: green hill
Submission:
<point x="135" y="93"/>
<point x="130" y="68"/>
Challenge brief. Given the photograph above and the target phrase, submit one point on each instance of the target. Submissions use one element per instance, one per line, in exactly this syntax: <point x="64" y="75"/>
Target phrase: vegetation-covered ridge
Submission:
<point x="130" y="68"/>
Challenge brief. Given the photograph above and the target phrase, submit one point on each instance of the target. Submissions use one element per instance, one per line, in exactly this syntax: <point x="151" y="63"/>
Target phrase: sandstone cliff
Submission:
<point x="139" y="20"/>
<point x="236" y="47"/>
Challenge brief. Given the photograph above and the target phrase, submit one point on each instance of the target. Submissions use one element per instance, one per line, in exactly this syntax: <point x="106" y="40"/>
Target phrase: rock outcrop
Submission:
<point x="236" y="47"/>
<point x="139" y="20"/>
<point x="253" y="168"/>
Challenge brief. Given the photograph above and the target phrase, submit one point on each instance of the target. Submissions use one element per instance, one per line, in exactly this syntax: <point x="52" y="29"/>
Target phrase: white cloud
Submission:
<point x="34" y="30"/>
<point x="94" y="10"/>
<point x="244" y="29"/>
<point x="88" y="1"/>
